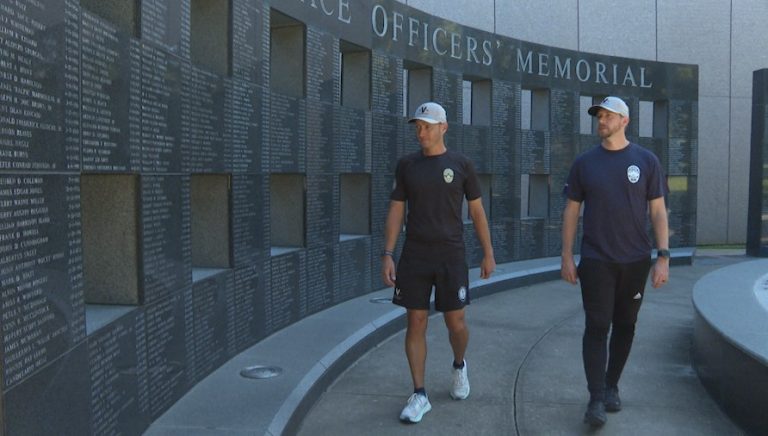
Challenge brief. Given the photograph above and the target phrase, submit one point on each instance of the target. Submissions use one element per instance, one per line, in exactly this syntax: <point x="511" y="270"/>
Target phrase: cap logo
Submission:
<point x="633" y="173"/>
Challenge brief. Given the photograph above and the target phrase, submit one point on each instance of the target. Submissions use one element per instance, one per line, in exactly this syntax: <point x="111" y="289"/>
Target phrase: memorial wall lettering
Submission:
<point x="160" y="24"/>
<point x="202" y="120"/>
<point x="322" y="197"/>
<point x="160" y="111"/>
<point x="110" y="64"/>
<point x="320" y="137"/>
<point x="247" y="220"/>
<point x="31" y="100"/>
<point x="352" y="128"/>
<point x="210" y="323"/>
<point x="112" y="353"/>
<point x="282" y="301"/>
<point x="37" y="305"/>
<point x="286" y="133"/>
<point x="165" y="239"/>
<point x="243" y="114"/>
<point x="321" y="280"/>
<point x="167" y="355"/>
<point x="245" y="310"/>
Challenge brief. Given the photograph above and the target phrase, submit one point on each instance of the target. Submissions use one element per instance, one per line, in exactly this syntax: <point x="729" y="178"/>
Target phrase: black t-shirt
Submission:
<point x="616" y="187"/>
<point x="434" y="187"/>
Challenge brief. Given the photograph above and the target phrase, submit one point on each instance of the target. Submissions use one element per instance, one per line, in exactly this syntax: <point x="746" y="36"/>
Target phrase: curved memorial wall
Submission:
<point x="181" y="178"/>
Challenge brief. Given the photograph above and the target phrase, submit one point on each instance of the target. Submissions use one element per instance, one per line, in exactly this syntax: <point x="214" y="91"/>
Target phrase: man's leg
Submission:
<point x="458" y="333"/>
<point x="416" y="345"/>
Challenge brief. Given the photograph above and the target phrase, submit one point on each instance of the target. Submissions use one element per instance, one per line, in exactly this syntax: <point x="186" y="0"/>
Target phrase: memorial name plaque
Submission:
<point x="286" y="138"/>
<point x="320" y="137"/>
<point x="38" y="302"/>
<point x="202" y="120"/>
<point x="209" y="314"/>
<point x="166" y="354"/>
<point x="321" y="280"/>
<point x="161" y="111"/>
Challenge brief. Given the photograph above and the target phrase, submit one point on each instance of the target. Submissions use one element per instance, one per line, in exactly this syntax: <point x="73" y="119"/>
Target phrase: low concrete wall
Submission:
<point x="730" y="341"/>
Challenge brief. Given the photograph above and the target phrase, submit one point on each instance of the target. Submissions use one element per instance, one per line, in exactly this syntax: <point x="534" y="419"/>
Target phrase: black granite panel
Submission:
<point x="160" y="111"/>
<point x="564" y="149"/>
<point x="161" y="24"/>
<point x="352" y="133"/>
<point x="248" y="41"/>
<point x="386" y="84"/>
<point x="42" y="305"/>
<point x="532" y="238"/>
<point x="503" y="239"/>
<point x="682" y="156"/>
<point x="286" y="137"/>
<point x="38" y="92"/>
<point x="476" y="145"/>
<point x="683" y="119"/>
<point x="659" y="147"/>
<point x="320" y="137"/>
<point x="210" y="321"/>
<point x="447" y="89"/>
<point x="167" y="356"/>
<point x="243" y="118"/>
<point x="202" y="120"/>
<point x="757" y="225"/>
<point x="111" y="113"/>
<point x="322" y="210"/>
<point x="354" y="269"/>
<point x="55" y="400"/>
<point x="165" y="224"/>
<point x="282" y="304"/>
<point x="536" y="151"/>
<point x="681" y="207"/>
<point x="564" y="111"/>
<point x="245" y="307"/>
<point x="322" y="57"/>
<point x="321" y="278"/>
<point x="117" y="358"/>
<point x="248" y="220"/>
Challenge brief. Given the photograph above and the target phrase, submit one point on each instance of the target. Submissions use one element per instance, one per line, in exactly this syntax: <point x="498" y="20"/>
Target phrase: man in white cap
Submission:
<point x="621" y="184"/>
<point x="433" y="182"/>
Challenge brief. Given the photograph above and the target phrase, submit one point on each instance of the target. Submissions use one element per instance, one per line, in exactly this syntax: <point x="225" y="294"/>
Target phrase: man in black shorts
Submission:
<point x="621" y="184"/>
<point x="432" y="183"/>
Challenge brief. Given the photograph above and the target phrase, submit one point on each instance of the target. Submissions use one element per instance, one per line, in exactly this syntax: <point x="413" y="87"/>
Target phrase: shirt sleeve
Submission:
<point x="472" y="189"/>
<point x="573" y="189"/>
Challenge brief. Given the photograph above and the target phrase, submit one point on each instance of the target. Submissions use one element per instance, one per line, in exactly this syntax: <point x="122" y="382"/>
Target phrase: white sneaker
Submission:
<point x="460" y="388"/>
<point x="414" y="410"/>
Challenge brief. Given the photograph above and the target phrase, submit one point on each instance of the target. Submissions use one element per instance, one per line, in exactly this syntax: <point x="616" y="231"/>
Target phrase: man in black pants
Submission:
<point x="433" y="182"/>
<point x="620" y="184"/>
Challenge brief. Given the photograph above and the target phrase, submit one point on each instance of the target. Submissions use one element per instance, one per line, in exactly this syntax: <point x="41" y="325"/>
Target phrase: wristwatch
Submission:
<point x="662" y="252"/>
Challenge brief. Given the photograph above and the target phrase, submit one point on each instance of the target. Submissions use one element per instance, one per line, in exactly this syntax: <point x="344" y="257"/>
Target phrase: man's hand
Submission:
<point x="568" y="270"/>
<point x="660" y="272"/>
<point x="487" y="267"/>
<point x="388" y="270"/>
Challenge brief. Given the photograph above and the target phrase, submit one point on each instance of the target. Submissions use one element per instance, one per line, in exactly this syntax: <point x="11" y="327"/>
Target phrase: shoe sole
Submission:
<point x="594" y="422"/>
<point x="418" y="417"/>
<point x="612" y="409"/>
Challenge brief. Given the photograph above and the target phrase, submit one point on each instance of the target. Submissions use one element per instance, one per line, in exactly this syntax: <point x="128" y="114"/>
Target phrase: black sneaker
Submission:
<point x="595" y="415"/>
<point x="612" y="400"/>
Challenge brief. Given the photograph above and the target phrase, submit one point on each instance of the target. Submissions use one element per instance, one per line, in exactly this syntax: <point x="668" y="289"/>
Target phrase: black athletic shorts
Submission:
<point x="421" y="268"/>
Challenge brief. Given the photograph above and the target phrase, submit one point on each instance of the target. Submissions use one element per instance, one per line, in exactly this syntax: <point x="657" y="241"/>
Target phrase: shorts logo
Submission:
<point x="448" y="175"/>
<point x="633" y="173"/>
<point x="397" y="294"/>
<point x="462" y="294"/>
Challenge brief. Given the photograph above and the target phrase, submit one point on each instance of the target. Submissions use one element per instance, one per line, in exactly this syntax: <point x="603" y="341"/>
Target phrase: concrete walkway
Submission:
<point x="526" y="371"/>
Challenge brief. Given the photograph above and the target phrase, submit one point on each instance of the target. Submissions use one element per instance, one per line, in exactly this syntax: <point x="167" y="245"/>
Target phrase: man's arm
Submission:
<point x="392" y="228"/>
<point x="570" y="225"/>
<point x="658" y="213"/>
<point x="477" y="213"/>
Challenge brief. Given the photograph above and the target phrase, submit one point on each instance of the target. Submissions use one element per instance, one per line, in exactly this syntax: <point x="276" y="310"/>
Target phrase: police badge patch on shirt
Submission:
<point x="448" y="175"/>
<point x="633" y="173"/>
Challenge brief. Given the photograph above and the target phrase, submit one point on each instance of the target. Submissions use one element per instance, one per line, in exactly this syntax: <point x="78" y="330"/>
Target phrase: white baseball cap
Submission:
<point x="431" y="113"/>
<point x="613" y="104"/>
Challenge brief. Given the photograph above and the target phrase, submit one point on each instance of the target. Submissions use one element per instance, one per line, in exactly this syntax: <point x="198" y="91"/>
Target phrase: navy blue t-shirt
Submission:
<point x="615" y="187"/>
<point x="434" y="187"/>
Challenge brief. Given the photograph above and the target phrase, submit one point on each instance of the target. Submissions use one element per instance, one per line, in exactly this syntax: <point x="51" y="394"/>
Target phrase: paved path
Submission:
<point x="526" y="373"/>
